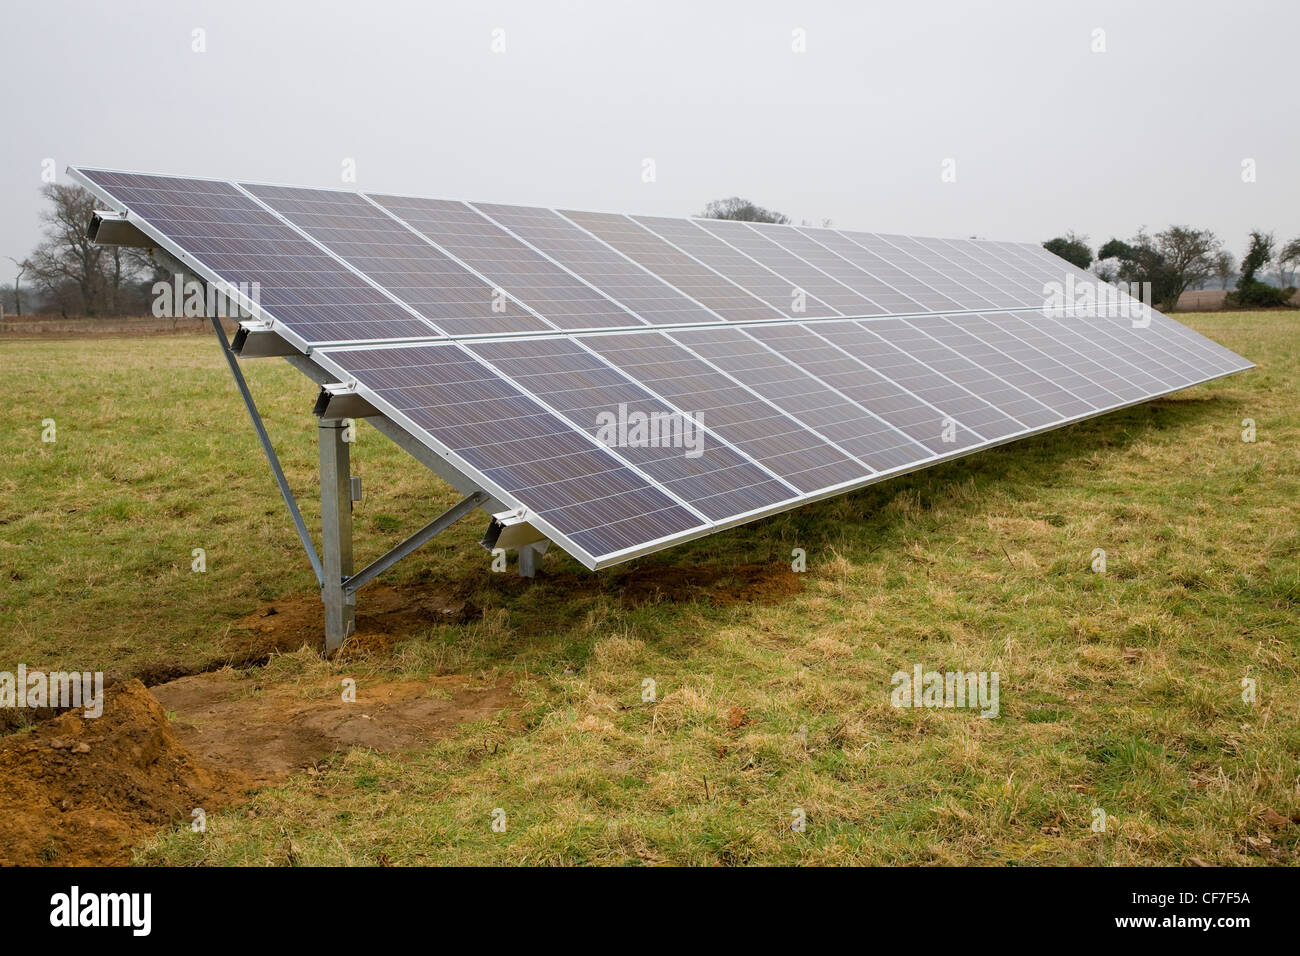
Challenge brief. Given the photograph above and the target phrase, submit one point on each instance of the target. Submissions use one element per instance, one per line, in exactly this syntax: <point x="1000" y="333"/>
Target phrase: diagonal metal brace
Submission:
<point x="434" y="527"/>
<point x="269" y="449"/>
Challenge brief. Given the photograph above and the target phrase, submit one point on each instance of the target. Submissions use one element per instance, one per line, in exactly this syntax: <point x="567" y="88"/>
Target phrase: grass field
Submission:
<point x="1120" y="691"/>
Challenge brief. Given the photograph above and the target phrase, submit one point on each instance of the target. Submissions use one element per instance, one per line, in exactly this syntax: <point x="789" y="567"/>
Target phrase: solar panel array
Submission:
<point x="807" y="361"/>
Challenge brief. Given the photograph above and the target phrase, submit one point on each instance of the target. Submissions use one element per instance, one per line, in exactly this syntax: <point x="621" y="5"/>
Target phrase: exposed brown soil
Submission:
<point x="267" y="731"/>
<point x="77" y="791"/>
<point x="385" y="615"/>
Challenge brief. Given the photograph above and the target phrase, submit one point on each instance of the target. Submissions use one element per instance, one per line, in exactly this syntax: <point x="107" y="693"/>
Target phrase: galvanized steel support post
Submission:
<point x="336" y="532"/>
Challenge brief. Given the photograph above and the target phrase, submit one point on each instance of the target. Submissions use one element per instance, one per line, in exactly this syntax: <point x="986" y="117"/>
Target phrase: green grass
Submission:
<point x="1119" y="691"/>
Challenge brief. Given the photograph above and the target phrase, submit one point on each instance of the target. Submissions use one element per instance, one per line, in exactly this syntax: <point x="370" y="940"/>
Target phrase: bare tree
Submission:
<point x="1225" y="267"/>
<point x="18" y="279"/>
<point x="73" y="271"/>
<point x="743" y="210"/>
<point x="1287" y="260"/>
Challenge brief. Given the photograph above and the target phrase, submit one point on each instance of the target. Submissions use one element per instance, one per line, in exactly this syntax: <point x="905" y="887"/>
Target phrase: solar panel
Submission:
<point x="629" y="382"/>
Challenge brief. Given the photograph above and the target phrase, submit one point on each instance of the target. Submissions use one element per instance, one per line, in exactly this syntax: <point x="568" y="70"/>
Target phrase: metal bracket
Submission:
<point x="260" y="343"/>
<point x="434" y="527"/>
<point x="116" y="229"/>
<point x="337" y="402"/>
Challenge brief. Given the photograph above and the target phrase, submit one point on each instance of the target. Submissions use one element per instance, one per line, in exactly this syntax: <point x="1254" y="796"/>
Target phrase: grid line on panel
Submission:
<point x="1118" y="341"/>
<point x="474" y="241"/>
<point x="578" y="277"/>
<point x="1198" y="345"/>
<point x="397" y="258"/>
<point x="801" y="242"/>
<point x="896" y="402"/>
<point x="651" y="391"/>
<point x="848" y="245"/>
<point x="1066" y="335"/>
<point x="623" y="281"/>
<point x="1058" y="338"/>
<point x="1136" y="355"/>
<point x="756" y="426"/>
<point x="790" y="390"/>
<point x="856" y="300"/>
<point x="794" y="270"/>
<point x="916" y="324"/>
<point x="980" y="415"/>
<point x="343" y="262"/>
<point x="956" y="254"/>
<point x="303" y="288"/>
<point x="1017" y="352"/>
<point x="615" y="230"/>
<point x="612" y="452"/>
<point x="893" y="299"/>
<point x="773" y="404"/>
<point x="1108" y="376"/>
<point x="925" y="272"/>
<point x="514" y="441"/>
<point x="742" y="270"/>
<point x="990" y="372"/>
<point x="721" y="481"/>
<point x="908" y="439"/>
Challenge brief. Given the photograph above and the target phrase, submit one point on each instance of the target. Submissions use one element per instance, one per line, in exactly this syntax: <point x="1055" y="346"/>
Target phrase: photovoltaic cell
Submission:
<point x="581" y="490"/>
<point x="373" y="242"/>
<point x="911" y="257"/>
<point x="565" y="301"/>
<point x="810" y="360"/>
<point x="674" y="266"/>
<point x="789" y="266"/>
<point x="803" y="244"/>
<point x="831" y="414"/>
<point x="689" y="462"/>
<point x="923" y="422"/>
<point x="1019" y="409"/>
<point x="770" y="437"/>
<point x="910" y="294"/>
<point x="962" y="406"/>
<point x="583" y="254"/>
<point x="777" y="291"/>
<point x="299" y="284"/>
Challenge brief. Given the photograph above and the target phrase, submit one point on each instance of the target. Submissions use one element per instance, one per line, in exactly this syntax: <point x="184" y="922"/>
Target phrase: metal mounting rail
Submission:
<point x="272" y="459"/>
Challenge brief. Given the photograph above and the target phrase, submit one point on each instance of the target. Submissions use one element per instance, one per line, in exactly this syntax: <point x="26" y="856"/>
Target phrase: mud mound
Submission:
<point x="82" y="792"/>
<point x="269" y="730"/>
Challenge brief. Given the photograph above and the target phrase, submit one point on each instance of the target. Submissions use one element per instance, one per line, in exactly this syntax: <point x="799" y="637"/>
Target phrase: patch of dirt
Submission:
<point x="267" y="731"/>
<point x="79" y="791"/>
<point x="385" y="615"/>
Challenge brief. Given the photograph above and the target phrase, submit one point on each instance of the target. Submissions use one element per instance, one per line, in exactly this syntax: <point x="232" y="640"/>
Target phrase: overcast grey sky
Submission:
<point x="1045" y="134"/>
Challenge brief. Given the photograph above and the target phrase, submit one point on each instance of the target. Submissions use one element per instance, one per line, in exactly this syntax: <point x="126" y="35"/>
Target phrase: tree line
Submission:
<point x="1181" y="258"/>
